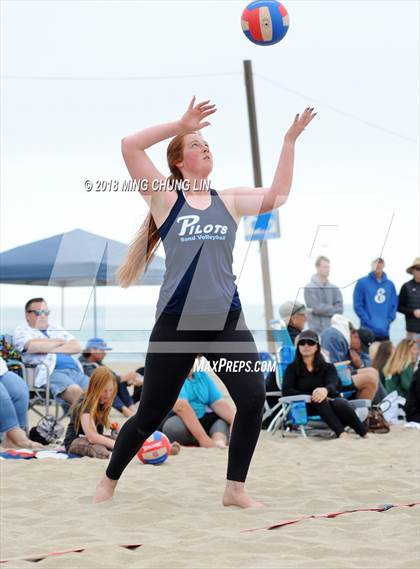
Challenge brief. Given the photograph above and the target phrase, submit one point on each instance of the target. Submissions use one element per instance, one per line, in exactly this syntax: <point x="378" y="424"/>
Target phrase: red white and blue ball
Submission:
<point x="265" y="22"/>
<point x="155" y="449"/>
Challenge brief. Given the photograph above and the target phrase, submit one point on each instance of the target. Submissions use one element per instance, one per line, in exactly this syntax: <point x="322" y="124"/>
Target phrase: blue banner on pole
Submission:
<point x="263" y="226"/>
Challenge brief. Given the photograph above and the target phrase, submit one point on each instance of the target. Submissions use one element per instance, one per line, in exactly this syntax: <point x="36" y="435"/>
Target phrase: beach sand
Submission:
<point x="175" y="509"/>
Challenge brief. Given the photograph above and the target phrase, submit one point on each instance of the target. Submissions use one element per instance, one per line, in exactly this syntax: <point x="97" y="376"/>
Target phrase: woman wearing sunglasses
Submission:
<point x="310" y="374"/>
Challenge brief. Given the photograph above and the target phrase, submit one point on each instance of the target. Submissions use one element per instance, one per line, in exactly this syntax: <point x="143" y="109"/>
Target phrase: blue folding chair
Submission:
<point x="290" y="412"/>
<point x="361" y="406"/>
<point x="273" y="393"/>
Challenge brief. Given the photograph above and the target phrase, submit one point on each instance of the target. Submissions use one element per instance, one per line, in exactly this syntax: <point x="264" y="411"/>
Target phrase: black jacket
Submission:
<point x="408" y="301"/>
<point x="89" y="367"/>
<point x="412" y="404"/>
<point x="298" y="384"/>
<point x="293" y="332"/>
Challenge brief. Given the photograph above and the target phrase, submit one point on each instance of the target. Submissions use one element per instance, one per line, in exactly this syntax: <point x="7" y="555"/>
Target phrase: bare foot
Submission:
<point x="220" y="440"/>
<point x="235" y="495"/>
<point x="175" y="448"/>
<point x="343" y="435"/>
<point x="20" y="441"/>
<point x="105" y="489"/>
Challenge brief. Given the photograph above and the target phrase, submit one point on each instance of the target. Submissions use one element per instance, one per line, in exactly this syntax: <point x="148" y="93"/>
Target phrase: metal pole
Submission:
<point x="95" y="326"/>
<point x="265" y="267"/>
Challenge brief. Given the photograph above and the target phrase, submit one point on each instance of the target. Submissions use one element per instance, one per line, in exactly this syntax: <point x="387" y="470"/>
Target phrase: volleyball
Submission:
<point x="265" y="22"/>
<point x="155" y="449"/>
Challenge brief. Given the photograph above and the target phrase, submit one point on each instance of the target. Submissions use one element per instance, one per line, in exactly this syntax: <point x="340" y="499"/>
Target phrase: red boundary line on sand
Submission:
<point x="383" y="508"/>
<point x="42" y="556"/>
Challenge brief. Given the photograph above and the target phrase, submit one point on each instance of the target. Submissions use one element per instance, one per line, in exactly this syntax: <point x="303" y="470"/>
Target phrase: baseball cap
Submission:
<point x="367" y="337"/>
<point x="97" y="343"/>
<point x="308" y="335"/>
<point x="290" y="308"/>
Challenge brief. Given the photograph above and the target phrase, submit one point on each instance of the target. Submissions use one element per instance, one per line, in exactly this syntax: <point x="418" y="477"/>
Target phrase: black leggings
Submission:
<point x="338" y="413"/>
<point x="170" y="357"/>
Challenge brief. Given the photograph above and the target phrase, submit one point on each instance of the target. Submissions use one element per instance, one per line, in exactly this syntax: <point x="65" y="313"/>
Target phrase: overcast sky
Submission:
<point x="68" y="97"/>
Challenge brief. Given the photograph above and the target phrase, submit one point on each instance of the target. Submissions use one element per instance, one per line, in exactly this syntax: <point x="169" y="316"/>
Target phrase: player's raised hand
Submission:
<point x="300" y="123"/>
<point x="193" y="118"/>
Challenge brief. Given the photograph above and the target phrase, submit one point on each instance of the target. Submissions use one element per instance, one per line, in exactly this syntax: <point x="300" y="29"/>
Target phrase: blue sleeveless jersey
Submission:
<point x="198" y="246"/>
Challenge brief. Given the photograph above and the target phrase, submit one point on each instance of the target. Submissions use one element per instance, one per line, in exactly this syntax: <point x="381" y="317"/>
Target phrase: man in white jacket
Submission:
<point x="323" y="298"/>
<point x="42" y="343"/>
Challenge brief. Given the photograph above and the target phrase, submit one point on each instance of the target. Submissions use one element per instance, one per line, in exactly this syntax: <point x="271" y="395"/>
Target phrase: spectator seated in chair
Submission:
<point x="39" y="342"/>
<point x="336" y="342"/>
<point x="309" y="374"/>
<point x="360" y="342"/>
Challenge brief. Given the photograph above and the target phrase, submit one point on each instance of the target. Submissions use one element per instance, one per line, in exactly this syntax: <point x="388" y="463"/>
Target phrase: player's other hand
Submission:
<point x="299" y="124"/>
<point x="193" y="118"/>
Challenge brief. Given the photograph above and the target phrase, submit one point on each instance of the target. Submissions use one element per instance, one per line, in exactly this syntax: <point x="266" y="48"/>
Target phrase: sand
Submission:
<point x="175" y="509"/>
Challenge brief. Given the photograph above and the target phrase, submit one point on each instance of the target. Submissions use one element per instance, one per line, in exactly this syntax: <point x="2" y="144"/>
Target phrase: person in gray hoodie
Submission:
<point x="323" y="298"/>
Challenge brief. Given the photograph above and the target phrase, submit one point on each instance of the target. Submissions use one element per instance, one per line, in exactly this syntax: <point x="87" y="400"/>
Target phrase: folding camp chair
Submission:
<point x="278" y="411"/>
<point x="38" y="396"/>
<point x="272" y="392"/>
<point x="287" y="413"/>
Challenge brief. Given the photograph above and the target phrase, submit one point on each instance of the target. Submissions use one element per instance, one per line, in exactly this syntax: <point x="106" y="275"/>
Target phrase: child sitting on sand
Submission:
<point x="90" y="415"/>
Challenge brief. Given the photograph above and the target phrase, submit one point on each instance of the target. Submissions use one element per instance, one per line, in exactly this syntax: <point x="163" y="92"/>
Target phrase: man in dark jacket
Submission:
<point x="409" y="301"/>
<point x="375" y="301"/>
<point x="412" y="404"/>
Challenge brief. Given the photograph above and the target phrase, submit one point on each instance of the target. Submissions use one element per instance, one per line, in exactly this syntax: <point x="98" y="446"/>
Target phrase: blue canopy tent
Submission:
<point x="75" y="258"/>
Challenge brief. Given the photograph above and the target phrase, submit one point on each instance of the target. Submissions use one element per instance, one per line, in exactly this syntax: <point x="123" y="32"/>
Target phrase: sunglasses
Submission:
<point x="307" y="343"/>
<point x="39" y="312"/>
<point x="417" y="268"/>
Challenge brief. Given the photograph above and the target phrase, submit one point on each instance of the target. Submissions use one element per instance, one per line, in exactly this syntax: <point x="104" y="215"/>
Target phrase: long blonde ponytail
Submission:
<point x="147" y="239"/>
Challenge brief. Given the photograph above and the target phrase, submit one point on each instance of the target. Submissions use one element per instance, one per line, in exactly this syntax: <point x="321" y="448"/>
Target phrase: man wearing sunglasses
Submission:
<point x="42" y="342"/>
<point x="409" y="302"/>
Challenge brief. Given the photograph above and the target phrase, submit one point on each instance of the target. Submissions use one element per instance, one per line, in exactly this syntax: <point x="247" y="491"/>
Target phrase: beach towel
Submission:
<point x="14" y="454"/>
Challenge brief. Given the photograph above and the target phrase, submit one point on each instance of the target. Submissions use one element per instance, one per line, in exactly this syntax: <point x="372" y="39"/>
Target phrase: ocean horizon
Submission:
<point x="127" y="328"/>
